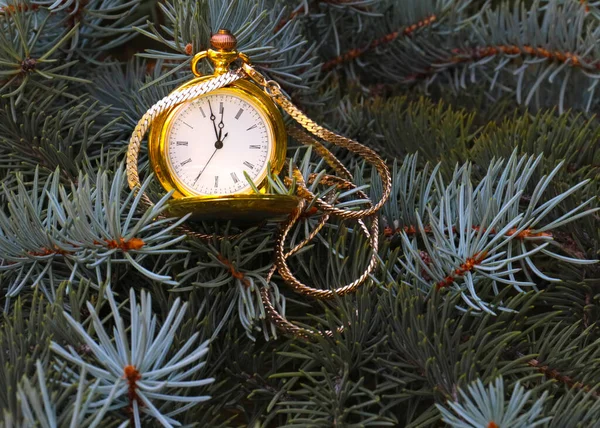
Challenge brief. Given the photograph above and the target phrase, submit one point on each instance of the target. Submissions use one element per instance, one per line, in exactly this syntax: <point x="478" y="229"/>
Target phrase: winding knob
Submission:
<point x="223" y="40"/>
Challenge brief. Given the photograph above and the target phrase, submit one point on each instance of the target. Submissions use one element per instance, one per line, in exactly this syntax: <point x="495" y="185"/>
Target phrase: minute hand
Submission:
<point x="221" y="125"/>
<point x="213" y="117"/>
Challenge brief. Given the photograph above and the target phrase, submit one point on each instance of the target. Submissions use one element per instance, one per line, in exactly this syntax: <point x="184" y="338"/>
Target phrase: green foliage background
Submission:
<point x="442" y="89"/>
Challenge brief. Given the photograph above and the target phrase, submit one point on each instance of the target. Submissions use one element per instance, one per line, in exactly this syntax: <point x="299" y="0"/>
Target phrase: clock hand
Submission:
<point x="218" y="145"/>
<point x="221" y="125"/>
<point x="203" y="169"/>
<point x="213" y="117"/>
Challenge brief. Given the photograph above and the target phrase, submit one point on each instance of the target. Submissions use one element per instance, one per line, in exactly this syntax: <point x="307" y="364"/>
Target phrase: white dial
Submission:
<point x="215" y="139"/>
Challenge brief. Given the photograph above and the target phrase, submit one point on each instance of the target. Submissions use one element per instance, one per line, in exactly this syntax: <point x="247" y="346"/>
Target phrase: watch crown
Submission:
<point x="223" y="40"/>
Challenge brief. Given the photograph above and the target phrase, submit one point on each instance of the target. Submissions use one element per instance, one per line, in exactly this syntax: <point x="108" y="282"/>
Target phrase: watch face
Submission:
<point x="215" y="139"/>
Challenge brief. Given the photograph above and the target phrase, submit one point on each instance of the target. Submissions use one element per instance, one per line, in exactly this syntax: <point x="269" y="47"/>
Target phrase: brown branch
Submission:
<point x="569" y="245"/>
<point x="121" y="244"/>
<point x="21" y="7"/>
<point x="132" y="375"/>
<point x="388" y="232"/>
<point x="461" y="56"/>
<point x="471" y="262"/>
<point x="76" y="15"/>
<point x="584" y="2"/>
<point x="484" y="52"/>
<point x="234" y="272"/>
<point x="551" y="373"/>
<point x="467" y="266"/>
<point x="388" y="38"/>
<point x="47" y="251"/>
<point x="284" y="21"/>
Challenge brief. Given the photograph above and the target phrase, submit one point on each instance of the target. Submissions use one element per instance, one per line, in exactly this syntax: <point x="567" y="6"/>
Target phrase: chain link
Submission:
<point x="327" y="207"/>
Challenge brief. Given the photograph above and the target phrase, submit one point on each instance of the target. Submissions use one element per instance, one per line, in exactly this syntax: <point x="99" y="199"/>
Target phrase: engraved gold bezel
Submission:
<point x="157" y="139"/>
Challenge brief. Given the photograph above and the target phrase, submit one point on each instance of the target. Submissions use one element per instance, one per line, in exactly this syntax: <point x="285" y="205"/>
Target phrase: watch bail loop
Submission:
<point x="222" y="54"/>
<point x="197" y="58"/>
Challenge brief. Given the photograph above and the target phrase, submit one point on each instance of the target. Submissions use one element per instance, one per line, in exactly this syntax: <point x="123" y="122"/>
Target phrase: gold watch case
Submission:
<point x="245" y="206"/>
<point x="158" y="144"/>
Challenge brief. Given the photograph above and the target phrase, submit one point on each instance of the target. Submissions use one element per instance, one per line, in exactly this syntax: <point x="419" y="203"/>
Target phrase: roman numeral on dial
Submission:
<point x="216" y="181"/>
<point x="234" y="177"/>
<point x="182" y="143"/>
<point x="239" y="113"/>
<point x="248" y="164"/>
<point x="185" y="162"/>
<point x="255" y="146"/>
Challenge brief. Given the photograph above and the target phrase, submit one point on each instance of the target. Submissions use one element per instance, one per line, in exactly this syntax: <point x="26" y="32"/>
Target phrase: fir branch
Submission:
<point x="473" y="411"/>
<point x="83" y="231"/>
<point x="478" y="53"/>
<point x="26" y="330"/>
<point x="234" y="272"/>
<point x="393" y="25"/>
<point x="430" y="352"/>
<point x="413" y="230"/>
<point x="467" y="235"/>
<point x="28" y="60"/>
<point x="565" y="356"/>
<point x="332" y="406"/>
<point x="46" y="405"/>
<point x="53" y="134"/>
<point x="336" y="372"/>
<point x="283" y="55"/>
<point x="104" y="24"/>
<point x="554" y="374"/>
<point x="295" y="13"/>
<point x="543" y="56"/>
<point x="304" y="8"/>
<point x="578" y="408"/>
<point x="444" y="135"/>
<point x="118" y="86"/>
<point x="399" y="126"/>
<point x="135" y="373"/>
<point x="228" y="263"/>
<point x="585" y="4"/>
<point x="355" y="53"/>
<point x="461" y="271"/>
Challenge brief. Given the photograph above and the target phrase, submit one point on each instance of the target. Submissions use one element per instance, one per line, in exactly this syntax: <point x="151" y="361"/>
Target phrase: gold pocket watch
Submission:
<point x="214" y="141"/>
<point x="215" y="150"/>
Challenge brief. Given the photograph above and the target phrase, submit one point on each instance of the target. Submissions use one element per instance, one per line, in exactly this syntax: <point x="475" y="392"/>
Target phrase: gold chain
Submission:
<point x="327" y="207"/>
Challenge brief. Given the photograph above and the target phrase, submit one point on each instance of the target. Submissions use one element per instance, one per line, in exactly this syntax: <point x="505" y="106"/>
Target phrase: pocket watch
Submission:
<point x="215" y="140"/>
<point x="214" y="151"/>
